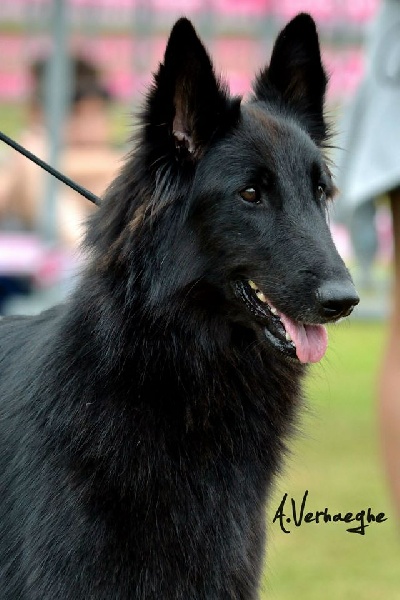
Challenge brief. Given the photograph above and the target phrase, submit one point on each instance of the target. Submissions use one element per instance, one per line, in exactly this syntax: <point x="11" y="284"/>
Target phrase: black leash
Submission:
<point x="76" y="187"/>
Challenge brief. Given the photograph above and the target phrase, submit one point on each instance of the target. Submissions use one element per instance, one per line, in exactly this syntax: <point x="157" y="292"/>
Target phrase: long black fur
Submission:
<point x="142" y="422"/>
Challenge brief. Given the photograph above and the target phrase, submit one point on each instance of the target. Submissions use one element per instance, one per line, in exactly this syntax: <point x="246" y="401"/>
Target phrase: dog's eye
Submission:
<point x="251" y="194"/>
<point x="321" y="193"/>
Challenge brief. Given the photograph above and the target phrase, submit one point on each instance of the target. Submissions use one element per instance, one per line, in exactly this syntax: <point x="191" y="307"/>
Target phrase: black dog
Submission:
<point x="143" y="421"/>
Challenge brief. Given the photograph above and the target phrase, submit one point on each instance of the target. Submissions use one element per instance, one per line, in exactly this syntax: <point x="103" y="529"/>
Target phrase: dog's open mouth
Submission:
<point x="306" y="342"/>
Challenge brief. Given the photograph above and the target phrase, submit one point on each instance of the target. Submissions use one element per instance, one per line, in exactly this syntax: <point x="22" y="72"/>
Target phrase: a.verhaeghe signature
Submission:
<point x="289" y="514"/>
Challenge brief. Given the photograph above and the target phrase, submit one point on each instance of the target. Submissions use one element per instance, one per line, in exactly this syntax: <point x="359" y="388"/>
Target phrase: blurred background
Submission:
<point x="72" y="75"/>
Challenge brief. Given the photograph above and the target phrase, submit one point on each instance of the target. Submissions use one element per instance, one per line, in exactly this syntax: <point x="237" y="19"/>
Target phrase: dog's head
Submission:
<point x="251" y="185"/>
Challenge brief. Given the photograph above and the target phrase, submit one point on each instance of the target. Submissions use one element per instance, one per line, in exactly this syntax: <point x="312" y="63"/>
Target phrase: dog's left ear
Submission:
<point x="188" y="103"/>
<point x="296" y="72"/>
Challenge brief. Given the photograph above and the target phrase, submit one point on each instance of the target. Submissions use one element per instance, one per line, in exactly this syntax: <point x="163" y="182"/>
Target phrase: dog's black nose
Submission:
<point x="336" y="299"/>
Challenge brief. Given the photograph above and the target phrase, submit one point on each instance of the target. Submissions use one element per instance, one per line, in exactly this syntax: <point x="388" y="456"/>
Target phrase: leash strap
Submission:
<point x="72" y="184"/>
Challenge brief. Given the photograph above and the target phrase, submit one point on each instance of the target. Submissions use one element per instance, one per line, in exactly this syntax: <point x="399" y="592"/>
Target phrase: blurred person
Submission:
<point x="364" y="240"/>
<point x="88" y="157"/>
<point x="371" y="168"/>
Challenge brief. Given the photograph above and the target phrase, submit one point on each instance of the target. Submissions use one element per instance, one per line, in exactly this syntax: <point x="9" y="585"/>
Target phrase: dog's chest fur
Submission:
<point x="161" y="480"/>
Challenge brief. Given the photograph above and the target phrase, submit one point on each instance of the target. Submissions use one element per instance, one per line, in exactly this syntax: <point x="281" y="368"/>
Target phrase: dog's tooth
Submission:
<point x="253" y="285"/>
<point x="288" y="338"/>
<point x="273" y="310"/>
<point x="261" y="296"/>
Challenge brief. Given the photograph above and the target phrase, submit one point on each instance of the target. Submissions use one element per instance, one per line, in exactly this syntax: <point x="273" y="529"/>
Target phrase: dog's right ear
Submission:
<point x="188" y="104"/>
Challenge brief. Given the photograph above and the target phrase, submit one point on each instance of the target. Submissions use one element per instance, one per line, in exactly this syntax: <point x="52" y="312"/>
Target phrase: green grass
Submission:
<point x="336" y="457"/>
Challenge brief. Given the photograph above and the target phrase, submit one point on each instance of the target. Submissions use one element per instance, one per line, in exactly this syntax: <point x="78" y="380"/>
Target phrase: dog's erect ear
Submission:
<point x="188" y="103"/>
<point x="296" y="72"/>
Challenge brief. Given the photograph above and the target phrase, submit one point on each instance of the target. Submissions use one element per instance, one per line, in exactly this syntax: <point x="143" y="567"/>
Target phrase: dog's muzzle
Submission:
<point x="296" y="339"/>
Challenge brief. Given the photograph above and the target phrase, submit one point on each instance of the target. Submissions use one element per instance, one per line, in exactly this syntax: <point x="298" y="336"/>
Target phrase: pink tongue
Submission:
<point x="311" y="341"/>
